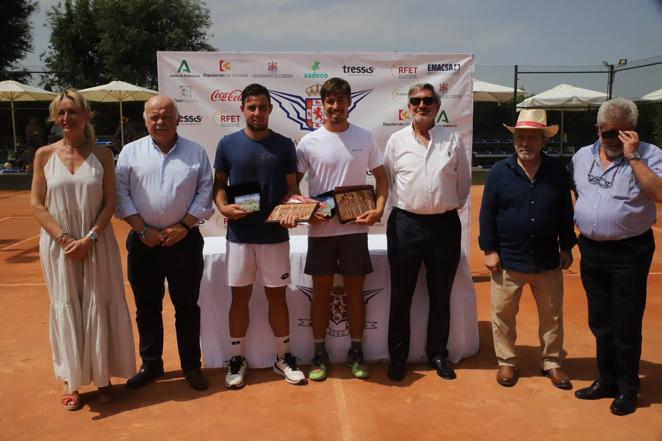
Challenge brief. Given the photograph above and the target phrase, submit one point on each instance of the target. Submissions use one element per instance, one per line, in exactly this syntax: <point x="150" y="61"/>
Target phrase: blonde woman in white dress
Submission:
<point x="73" y="199"/>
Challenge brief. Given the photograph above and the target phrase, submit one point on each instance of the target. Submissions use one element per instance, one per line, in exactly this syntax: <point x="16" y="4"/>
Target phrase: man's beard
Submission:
<point x="612" y="151"/>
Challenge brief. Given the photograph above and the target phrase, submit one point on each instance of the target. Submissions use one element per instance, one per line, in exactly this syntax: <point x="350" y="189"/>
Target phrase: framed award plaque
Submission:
<point x="353" y="201"/>
<point x="302" y="211"/>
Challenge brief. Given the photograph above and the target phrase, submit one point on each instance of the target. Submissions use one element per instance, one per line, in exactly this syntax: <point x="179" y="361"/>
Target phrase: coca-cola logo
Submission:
<point x="220" y="95"/>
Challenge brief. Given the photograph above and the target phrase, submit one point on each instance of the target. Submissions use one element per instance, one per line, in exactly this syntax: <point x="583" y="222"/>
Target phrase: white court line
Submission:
<point x="15" y="217"/>
<point x="343" y="414"/>
<point x="18" y="285"/>
<point x="18" y="243"/>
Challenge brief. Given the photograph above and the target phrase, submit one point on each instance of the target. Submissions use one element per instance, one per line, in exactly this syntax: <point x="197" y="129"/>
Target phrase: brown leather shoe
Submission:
<point x="558" y="377"/>
<point x="506" y="376"/>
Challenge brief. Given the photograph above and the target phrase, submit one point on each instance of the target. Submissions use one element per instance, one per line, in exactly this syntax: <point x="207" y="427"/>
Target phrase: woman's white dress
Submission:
<point x="89" y="325"/>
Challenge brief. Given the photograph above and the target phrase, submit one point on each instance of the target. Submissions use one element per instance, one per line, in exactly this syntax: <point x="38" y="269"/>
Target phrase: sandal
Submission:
<point x="105" y="393"/>
<point x="71" y="401"/>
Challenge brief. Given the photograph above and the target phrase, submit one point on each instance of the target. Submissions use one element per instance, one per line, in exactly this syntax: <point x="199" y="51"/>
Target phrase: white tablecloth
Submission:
<point x="215" y="300"/>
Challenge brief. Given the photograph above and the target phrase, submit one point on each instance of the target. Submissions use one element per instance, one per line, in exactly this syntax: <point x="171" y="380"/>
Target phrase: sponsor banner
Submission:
<point x="207" y="89"/>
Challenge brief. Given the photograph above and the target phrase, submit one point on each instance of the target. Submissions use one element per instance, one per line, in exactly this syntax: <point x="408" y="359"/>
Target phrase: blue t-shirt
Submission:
<point x="266" y="162"/>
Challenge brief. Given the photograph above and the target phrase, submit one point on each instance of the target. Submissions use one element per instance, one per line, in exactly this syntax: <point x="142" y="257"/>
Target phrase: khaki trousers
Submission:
<point x="506" y="291"/>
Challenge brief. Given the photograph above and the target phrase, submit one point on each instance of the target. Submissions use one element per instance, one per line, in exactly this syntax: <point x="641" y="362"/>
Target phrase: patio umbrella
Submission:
<point x="492" y="93"/>
<point x="14" y="91"/>
<point x="118" y="91"/>
<point x="656" y="95"/>
<point x="564" y="97"/>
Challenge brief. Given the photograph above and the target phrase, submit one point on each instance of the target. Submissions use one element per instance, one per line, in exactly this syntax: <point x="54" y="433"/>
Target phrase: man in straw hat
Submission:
<point x="617" y="180"/>
<point x="526" y="232"/>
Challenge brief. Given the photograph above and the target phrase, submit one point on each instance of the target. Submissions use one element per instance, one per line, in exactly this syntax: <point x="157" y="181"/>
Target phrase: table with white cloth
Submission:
<point x="215" y="299"/>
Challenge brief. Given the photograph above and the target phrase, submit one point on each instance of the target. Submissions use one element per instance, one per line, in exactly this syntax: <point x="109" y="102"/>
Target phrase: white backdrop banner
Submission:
<point x="207" y="89"/>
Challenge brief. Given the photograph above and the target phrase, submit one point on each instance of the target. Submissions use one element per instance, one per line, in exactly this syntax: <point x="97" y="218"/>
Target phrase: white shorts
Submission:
<point x="273" y="260"/>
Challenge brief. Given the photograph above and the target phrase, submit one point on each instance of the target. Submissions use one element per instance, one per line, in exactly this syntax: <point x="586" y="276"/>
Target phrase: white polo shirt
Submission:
<point x="428" y="179"/>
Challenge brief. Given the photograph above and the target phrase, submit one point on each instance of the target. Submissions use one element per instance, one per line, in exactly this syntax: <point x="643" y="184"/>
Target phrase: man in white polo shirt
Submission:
<point x="429" y="180"/>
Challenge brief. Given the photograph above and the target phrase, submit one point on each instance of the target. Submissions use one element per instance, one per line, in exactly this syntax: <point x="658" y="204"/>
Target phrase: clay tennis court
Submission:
<point x="423" y="407"/>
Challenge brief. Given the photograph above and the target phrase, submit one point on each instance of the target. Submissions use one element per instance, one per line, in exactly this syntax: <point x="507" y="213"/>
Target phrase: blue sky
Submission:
<point x="578" y="34"/>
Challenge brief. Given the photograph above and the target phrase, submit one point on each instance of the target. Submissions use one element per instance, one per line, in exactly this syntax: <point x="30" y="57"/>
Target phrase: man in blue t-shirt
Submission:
<point x="256" y="170"/>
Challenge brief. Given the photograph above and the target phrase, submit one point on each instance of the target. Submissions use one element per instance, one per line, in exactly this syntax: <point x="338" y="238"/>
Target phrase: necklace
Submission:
<point x="70" y="148"/>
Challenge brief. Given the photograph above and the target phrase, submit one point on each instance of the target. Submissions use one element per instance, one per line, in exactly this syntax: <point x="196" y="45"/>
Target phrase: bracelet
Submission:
<point x="92" y="235"/>
<point x="183" y="224"/>
<point x="61" y="237"/>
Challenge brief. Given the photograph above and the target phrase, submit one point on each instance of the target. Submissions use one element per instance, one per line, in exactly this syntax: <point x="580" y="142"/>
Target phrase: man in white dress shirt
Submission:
<point x="164" y="189"/>
<point x="429" y="180"/>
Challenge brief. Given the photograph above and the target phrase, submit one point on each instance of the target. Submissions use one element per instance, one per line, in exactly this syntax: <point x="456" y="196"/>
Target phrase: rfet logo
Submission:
<point x="224" y="119"/>
<point x="219" y="95"/>
<point x="308" y="113"/>
<point x="224" y="65"/>
<point x="404" y="71"/>
<point x="338" y="321"/>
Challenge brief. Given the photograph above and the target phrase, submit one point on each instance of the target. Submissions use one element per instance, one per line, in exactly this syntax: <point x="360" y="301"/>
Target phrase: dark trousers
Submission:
<point x="435" y="241"/>
<point x="614" y="276"/>
<point x="148" y="268"/>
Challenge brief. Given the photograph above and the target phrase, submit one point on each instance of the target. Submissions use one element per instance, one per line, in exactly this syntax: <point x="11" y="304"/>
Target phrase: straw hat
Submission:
<point x="534" y="119"/>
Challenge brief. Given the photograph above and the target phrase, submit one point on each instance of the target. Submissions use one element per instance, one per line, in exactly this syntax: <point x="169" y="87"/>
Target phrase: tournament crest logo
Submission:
<point x="338" y="319"/>
<point x="308" y="112"/>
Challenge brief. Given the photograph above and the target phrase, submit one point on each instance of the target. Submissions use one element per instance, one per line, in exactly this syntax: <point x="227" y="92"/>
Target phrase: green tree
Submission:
<point x="15" y="35"/>
<point x="96" y="41"/>
<point x="72" y="55"/>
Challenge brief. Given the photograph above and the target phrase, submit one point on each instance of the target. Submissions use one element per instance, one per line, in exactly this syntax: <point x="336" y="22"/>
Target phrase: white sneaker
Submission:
<point x="237" y="368"/>
<point x="287" y="367"/>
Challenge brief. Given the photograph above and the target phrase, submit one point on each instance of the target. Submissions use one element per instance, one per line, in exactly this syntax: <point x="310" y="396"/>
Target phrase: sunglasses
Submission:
<point x="609" y="134"/>
<point x="428" y="100"/>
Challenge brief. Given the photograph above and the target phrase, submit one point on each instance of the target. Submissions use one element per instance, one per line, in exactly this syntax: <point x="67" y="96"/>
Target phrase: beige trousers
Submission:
<point x="506" y="291"/>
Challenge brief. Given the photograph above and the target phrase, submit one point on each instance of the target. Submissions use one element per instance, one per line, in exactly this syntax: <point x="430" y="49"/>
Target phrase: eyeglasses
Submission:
<point x="428" y="100"/>
<point x="609" y="134"/>
<point x="601" y="181"/>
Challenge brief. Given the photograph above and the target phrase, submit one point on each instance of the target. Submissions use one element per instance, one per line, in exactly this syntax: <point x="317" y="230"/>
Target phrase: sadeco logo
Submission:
<point x="308" y="113"/>
<point x="315" y="67"/>
<point x="190" y="119"/>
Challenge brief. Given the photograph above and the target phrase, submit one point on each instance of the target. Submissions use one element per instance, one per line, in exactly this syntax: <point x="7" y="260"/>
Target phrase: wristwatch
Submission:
<point x="634" y="156"/>
<point x="141" y="233"/>
<point x="185" y="225"/>
<point x="92" y="235"/>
